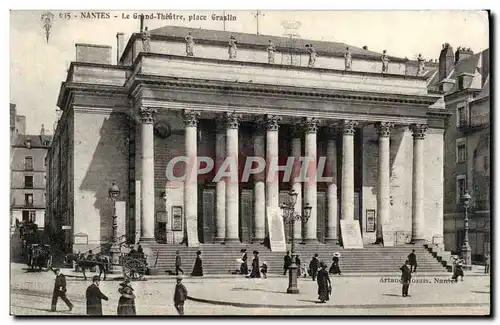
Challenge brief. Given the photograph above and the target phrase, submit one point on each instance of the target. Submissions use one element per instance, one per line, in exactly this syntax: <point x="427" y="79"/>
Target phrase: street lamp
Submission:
<point x="289" y="217"/>
<point x="466" y="251"/>
<point x="114" y="193"/>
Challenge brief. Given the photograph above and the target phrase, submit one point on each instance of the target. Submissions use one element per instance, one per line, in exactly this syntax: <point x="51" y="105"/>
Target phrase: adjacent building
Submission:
<point x="464" y="79"/>
<point x="28" y="175"/>
<point x="370" y="116"/>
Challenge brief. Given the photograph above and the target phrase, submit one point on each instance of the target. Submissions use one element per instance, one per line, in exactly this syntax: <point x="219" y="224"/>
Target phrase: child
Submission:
<point x="303" y="271"/>
<point x="263" y="270"/>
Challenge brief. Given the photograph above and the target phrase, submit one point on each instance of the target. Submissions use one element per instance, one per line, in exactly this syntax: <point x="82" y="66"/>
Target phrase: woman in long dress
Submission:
<point x="335" y="268"/>
<point x="324" y="284"/>
<point x="458" y="270"/>
<point x="198" y="265"/>
<point x="244" y="265"/>
<point x="126" y="303"/>
<point x="255" y="265"/>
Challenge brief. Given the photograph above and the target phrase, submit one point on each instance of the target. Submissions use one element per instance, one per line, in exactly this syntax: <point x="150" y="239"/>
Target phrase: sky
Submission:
<point x="37" y="68"/>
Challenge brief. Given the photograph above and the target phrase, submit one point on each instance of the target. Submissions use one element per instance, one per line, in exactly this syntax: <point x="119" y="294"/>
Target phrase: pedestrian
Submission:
<point x="314" y="266"/>
<point x="486" y="263"/>
<point x="458" y="269"/>
<point x="413" y="261"/>
<point x="178" y="263"/>
<point x="198" y="265"/>
<point x="405" y="277"/>
<point x="263" y="270"/>
<point x="255" y="265"/>
<point x="244" y="264"/>
<point x="180" y="295"/>
<point x="126" y="303"/>
<point x="60" y="291"/>
<point x="299" y="266"/>
<point x="94" y="297"/>
<point x="287" y="262"/>
<point x="335" y="268"/>
<point x="324" y="284"/>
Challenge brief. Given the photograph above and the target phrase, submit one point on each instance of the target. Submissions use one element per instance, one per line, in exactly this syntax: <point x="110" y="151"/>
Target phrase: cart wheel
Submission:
<point x="133" y="269"/>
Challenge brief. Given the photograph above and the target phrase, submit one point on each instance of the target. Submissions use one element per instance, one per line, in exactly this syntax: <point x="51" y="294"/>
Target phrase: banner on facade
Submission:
<point x="121" y="212"/>
<point x="387" y="235"/>
<point x="351" y="234"/>
<point x="192" y="230"/>
<point x="276" y="230"/>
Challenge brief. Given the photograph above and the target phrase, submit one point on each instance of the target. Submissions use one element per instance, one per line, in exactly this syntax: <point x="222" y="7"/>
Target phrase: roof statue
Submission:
<point x="146" y="38"/>
<point x="189" y="44"/>
<point x="232" y="48"/>
<point x="347" y="59"/>
<point x="421" y="65"/>
<point x="385" y="62"/>
<point x="312" y="55"/>
<point x="271" y="49"/>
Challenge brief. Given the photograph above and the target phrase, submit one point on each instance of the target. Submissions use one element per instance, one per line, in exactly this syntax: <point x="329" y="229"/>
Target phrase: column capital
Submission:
<point x="310" y="124"/>
<point x="190" y="117"/>
<point x="296" y="131"/>
<point x="220" y="124"/>
<point x="147" y="115"/>
<point x="232" y="120"/>
<point x="272" y="122"/>
<point x="348" y="127"/>
<point x="384" y="129"/>
<point x="418" y="130"/>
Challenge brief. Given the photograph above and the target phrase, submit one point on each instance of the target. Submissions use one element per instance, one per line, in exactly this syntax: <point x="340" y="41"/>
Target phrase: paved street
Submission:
<point x="31" y="295"/>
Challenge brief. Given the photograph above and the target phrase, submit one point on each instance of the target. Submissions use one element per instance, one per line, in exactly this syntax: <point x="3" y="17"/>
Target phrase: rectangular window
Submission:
<point x="28" y="199"/>
<point x="28" y="163"/>
<point x="461" y="186"/>
<point x="26" y="215"/>
<point x="461" y="150"/>
<point x="28" y="181"/>
<point x="33" y="216"/>
<point x="461" y="115"/>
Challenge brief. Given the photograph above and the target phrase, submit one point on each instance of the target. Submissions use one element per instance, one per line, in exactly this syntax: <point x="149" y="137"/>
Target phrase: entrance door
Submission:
<point x="357" y="210"/>
<point x="246" y="216"/>
<point x="208" y="209"/>
<point x="321" y="216"/>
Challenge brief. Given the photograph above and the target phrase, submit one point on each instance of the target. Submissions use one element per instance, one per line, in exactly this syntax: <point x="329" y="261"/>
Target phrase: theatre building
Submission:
<point x="380" y="132"/>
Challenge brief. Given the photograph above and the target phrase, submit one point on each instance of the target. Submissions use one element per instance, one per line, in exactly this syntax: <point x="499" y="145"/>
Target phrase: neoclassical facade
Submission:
<point x="373" y="142"/>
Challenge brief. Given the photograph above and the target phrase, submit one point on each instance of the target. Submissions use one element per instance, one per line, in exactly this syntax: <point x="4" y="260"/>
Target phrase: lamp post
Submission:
<point x="114" y="193"/>
<point x="466" y="251"/>
<point x="289" y="217"/>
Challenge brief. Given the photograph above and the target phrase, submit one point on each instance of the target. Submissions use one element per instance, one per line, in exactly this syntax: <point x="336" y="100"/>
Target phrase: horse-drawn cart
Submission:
<point x="134" y="266"/>
<point x="39" y="256"/>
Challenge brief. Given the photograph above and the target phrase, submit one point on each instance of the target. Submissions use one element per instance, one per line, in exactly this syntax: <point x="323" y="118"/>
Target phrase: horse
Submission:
<point x="101" y="261"/>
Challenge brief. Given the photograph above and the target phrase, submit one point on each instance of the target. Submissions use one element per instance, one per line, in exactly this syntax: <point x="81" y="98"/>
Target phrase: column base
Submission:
<point x="332" y="241"/>
<point x="259" y="241"/>
<point x="219" y="240"/>
<point x="417" y="241"/>
<point x="310" y="241"/>
<point x="232" y="240"/>
<point x="147" y="240"/>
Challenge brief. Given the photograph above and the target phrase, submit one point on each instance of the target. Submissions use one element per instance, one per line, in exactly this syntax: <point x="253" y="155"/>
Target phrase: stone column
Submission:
<point x="220" y="189"/>
<point x="310" y="190"/>
<point x="347" y="190"/>
<point x="272" y="180"/>
<point x="232" y="187"/>
<point x="259" y="148"/>
<point x="191" y="183"/>
<point x="296" y="181"/>
<point x="383" y="192"/>
<point x="147" y="115"/>
<point x="333" y="214"/>
<point x="418" y="221"/>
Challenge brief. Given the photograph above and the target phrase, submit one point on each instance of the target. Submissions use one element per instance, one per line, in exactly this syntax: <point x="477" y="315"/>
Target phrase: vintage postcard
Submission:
<point x="259" y="162"/>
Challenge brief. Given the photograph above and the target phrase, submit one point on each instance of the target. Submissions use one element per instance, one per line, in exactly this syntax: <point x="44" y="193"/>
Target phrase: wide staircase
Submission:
<point x="222" y="258"/>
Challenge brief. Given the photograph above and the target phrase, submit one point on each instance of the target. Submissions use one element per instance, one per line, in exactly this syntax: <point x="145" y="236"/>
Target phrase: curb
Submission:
<point x="352" y="306"/>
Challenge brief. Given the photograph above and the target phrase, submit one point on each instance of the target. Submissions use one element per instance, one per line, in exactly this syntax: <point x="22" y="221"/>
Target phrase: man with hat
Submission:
<point x="60" y="291"/>
<point x="178" y="263"/>
<point x="94" y="297"/>
<point x="314" y="266"/>
<point x="180" y="295"/>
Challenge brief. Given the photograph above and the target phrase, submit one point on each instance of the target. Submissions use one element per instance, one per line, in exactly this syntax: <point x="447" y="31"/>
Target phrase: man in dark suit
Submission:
<point x="94" y="297"/>
<point x="180" y="295"/>
<point x="405" y="277"/>
<point x="314" y="266"/>
<point x="60" y="291"/>
<point x="413" y="261"/>
<point x="178" y="263"/>
<point x="287" y="262"/>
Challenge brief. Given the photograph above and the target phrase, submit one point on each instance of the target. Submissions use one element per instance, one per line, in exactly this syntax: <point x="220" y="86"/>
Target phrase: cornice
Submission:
<point x="68" y="90"/>
<point x="253" y="89"/>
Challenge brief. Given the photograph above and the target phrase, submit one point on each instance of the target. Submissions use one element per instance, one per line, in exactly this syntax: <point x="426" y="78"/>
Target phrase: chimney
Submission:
<point x="42" y="130"/>
<point x="365" y="47"/>
<point x="119" y="46"/>
<point x="463" y="53"/>
<point x="446" y="61"/>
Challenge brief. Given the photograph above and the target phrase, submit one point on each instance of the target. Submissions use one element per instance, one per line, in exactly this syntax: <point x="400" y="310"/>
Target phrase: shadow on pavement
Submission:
<point x="391" y="295"/>
<point x="246" y="289"/>
<point x="313" y="301"/>
<point x="487" y="292"/>
<point x="42" y="309"/>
